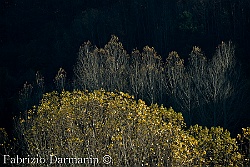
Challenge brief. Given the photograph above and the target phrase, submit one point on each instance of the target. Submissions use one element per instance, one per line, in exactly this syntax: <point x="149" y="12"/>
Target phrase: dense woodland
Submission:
<point x="191" y="56"/>
<point x="45" y="36"/>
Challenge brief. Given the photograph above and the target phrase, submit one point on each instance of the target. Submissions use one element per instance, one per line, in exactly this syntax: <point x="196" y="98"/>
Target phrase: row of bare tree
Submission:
<point x="208" y="92"/>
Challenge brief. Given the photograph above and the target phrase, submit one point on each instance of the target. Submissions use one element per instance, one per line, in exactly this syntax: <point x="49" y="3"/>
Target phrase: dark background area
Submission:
<point x="46" y="35"/>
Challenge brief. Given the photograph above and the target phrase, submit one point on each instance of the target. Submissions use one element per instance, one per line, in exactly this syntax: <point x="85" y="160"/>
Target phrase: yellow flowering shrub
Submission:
<point x="82" y="124"/>
<point x="3" y="139"/>
<point x="99" y="123"/>
<point x="244" y="145"/>
<point x="3" y="135"/>
<point x="217" y="146"/>
<point x="7" y="145"/>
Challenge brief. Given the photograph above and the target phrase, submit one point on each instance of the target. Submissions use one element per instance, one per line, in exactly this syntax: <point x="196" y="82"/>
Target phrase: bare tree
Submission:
<point x="86" y="68"/>
<point x="116" y="65"/>
<point x="212" y="90"/>
<point x="151" y="67"/>
<point x="208" y="92"/>
<point x="102" y="68"/>
<point x="174" y="71"/>
<point x="196" y="92"/>
<point x="60" y="79"/>
<point x="136" y="81"/>
<point x="225" y="85"/>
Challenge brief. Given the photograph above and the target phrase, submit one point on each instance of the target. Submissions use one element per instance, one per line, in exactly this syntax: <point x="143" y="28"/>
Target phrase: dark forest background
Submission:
<point x="45" y="35"/>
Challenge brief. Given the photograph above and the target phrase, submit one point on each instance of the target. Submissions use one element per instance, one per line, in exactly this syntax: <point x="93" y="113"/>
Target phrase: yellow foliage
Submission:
<point x="80" y="123"/>
<point x="83" y="124"/>
<point x="216" y="146"/>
